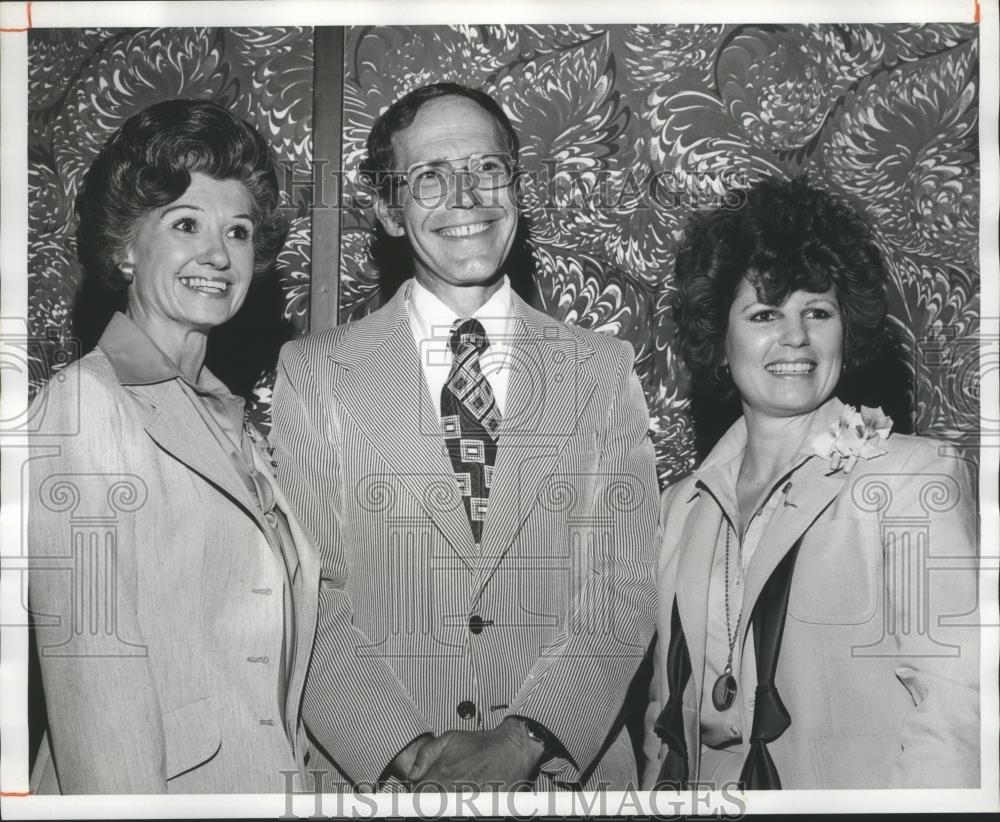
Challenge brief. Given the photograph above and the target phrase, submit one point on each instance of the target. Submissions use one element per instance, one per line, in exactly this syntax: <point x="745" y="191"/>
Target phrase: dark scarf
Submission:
<point x="770" y="717"/>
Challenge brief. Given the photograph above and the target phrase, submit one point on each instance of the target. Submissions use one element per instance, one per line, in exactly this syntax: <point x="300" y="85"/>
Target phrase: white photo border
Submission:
<point x="14" y="18"/>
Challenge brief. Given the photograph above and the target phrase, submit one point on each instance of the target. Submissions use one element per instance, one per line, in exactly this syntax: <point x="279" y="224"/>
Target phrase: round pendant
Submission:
<point x="724" y="692"/>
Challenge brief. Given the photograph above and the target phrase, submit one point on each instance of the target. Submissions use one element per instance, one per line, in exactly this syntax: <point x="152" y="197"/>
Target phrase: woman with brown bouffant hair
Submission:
<point x="790" y="652"/>
<point x="190" y="617"/>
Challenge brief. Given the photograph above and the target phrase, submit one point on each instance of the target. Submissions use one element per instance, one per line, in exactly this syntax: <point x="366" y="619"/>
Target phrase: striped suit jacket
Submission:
<point x="421" y="629"/>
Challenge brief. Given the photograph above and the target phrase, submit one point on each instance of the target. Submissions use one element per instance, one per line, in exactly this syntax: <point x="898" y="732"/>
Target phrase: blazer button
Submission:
<point x="476" y="624"/>
<point x="466" y="709"/>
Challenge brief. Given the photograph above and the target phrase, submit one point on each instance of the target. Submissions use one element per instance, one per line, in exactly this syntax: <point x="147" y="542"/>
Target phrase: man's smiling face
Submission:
<point x="462" y="238"/>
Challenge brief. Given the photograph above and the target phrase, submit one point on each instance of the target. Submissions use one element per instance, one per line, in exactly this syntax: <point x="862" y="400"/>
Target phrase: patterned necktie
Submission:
<point x="470" y="420"/>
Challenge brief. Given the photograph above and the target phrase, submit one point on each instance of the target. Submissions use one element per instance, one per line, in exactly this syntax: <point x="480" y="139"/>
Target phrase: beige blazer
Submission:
<point x="421" y="629"/>
<point x="879" y="663"/>
<point x="158" y="599"/>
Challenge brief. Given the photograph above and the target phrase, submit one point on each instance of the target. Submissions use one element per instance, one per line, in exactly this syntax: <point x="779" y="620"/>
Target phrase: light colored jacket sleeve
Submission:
<point x="105" y="726"/>
<point x="353" y="703"/>
<point x="940" y="737"/>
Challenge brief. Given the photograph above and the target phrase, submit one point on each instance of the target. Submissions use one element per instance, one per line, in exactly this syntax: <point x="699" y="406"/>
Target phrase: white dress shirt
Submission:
<point x="431" y="322"/>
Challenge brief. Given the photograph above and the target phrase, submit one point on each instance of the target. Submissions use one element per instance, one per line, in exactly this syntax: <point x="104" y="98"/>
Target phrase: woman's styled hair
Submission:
<point x="787" y="236"/>
<point x="148" y="163"/>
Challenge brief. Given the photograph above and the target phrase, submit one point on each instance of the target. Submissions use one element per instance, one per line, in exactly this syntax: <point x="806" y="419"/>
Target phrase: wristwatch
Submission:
<point x="539" y="733"/>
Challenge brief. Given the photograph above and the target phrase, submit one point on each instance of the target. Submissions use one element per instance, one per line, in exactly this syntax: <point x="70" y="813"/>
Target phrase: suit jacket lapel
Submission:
<point x="384" y="391"/>
<point x="713" y="507"/>
<point x="291" y="558"/>
<point x="812" y="489"/>
<point x="547" y="381"/>
<point x="302" y="561"/>
<point x="194" y="445"/>
<point x="696" y="552"/>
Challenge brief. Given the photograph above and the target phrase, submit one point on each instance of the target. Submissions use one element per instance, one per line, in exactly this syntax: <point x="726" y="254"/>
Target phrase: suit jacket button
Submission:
<point x="466" y="709"/>
<point x="476" y="624"/>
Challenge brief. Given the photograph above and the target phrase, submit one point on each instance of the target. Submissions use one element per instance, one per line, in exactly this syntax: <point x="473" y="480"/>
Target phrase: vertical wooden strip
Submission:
<point x="328" y="99"/>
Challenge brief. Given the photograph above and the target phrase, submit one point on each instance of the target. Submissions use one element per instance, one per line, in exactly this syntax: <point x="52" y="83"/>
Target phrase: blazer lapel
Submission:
<point x="302" y="561"/>
<point x="194" y="445"/>
<point x="812" y="489"/>
<point x="546" y="384"/>
<point x="384" y="391"/>
<point x="291" y="558"/>
<point x="696" y="552"/>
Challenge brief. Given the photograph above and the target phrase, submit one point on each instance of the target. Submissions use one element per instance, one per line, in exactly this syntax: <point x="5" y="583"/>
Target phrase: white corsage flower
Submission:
<point x="857" y="435"/>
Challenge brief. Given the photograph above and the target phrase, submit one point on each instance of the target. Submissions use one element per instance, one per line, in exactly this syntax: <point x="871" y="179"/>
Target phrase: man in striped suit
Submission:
<point x="480" y="483"/>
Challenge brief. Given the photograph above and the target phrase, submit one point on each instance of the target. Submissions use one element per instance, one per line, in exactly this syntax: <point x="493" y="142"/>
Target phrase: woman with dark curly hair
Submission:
<point x="173" y="653"/>
<point x="798" y="645"/>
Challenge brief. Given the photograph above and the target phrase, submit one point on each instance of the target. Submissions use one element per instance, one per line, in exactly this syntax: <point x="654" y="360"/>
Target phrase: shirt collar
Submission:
<point x="137" y="360"/>
<point x="434" y="320"/>
<point x="720" y="469"/>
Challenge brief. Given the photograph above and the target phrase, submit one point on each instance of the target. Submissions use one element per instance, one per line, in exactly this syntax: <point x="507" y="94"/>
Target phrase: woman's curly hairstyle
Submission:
<point x="787" y="236"/>
<point x="148" y="163"/>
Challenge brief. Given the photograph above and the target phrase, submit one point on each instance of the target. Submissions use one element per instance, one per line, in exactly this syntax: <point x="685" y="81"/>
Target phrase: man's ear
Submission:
<point x="391" y="217"/>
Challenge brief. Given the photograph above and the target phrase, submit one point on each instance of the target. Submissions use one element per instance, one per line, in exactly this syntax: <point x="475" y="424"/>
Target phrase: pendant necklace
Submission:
<point x="724" y="690"/>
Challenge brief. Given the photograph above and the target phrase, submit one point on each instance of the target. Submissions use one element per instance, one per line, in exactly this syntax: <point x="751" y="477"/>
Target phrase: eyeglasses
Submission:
<point x="430" y="182"/>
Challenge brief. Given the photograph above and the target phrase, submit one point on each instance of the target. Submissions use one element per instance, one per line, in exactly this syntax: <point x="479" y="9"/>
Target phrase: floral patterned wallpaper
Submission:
<point x="885" y="115"/>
